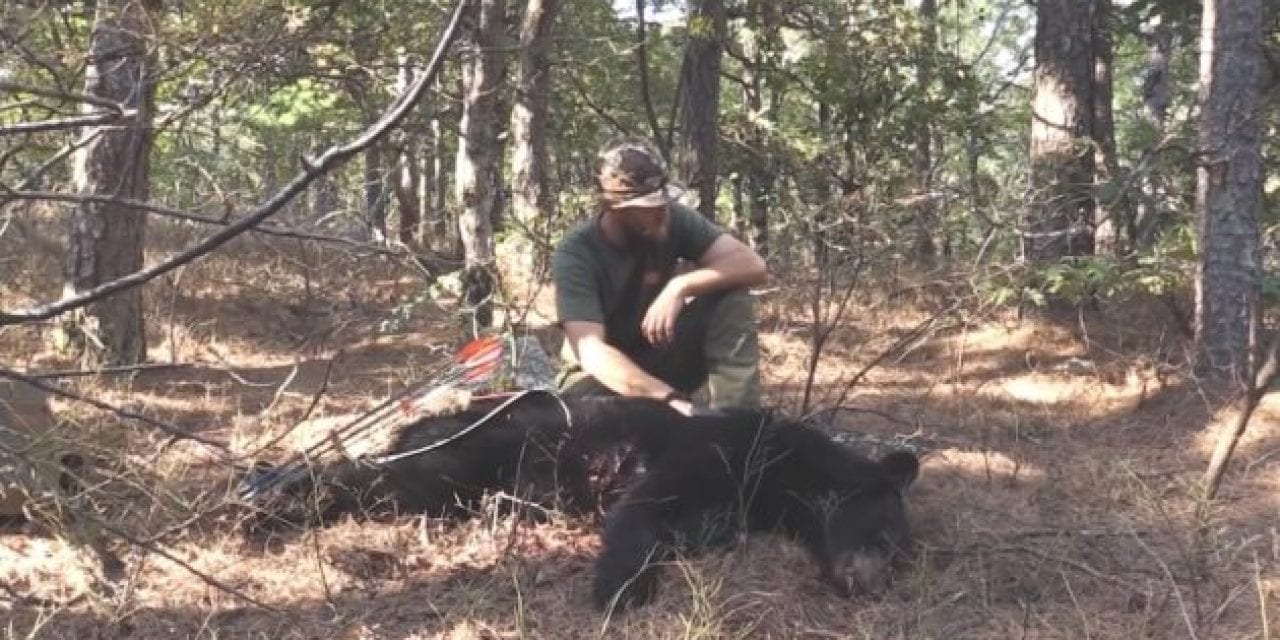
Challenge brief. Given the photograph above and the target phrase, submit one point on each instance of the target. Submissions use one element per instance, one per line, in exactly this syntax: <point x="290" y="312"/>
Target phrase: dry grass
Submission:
<point x="1056" y="501"/>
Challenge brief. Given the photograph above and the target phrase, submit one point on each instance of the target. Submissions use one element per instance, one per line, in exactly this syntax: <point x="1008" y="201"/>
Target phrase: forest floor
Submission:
<point x="1057" y="497"/>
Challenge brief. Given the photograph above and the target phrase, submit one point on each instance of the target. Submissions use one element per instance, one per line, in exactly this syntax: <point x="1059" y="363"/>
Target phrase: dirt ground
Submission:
<point x="1057" y="498"/>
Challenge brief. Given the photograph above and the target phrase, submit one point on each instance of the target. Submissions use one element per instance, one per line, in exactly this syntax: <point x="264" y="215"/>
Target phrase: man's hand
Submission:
<point x="659" y="324"/>
<point x="683" y="406"/>
<point x="692" y="410"/>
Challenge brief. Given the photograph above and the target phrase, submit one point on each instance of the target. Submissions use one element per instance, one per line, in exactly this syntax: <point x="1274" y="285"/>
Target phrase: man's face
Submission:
<point x="643" y="227"/>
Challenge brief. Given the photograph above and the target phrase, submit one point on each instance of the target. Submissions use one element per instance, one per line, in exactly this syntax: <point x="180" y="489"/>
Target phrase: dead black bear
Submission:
<point x="540" y="449"/>
<point x="706" y="478"/>
<point x="710" y="477"/>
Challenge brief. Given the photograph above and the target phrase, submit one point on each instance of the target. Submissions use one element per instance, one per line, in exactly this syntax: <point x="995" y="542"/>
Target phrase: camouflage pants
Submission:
<point x="715" y="345"/>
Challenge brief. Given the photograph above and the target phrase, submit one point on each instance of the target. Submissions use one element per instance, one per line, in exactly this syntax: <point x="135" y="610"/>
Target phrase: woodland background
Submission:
<point x="1035" y="240"/>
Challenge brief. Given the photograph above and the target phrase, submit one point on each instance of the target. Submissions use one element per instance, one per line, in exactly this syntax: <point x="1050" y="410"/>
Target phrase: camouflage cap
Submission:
<point x="631" y="173"/>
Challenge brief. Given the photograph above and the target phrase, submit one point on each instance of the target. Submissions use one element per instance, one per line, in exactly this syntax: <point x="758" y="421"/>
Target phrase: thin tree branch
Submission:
<point x="175" y="432"/>
<point x="62" y="153"/>
<point x="66" y="96"/>
<point x="75" y="122"/>
<point x="599" y="110"/>
<point x="674" y="112"/>
<point x="1227" y="441"/>
<point x="911" y="336"/>
<point x="52" y="196"/>
<point x="206" y="578"/>
<point x="77" y="373"/>
<point x="331" y="159"/>
<point x="646" y="96"/>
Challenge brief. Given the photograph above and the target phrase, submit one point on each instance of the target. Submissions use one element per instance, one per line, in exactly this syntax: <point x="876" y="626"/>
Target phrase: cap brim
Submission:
<point x="658" y="198"/>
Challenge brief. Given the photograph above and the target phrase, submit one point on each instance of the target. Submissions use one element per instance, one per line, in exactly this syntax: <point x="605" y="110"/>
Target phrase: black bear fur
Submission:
<point x="706" y="479"/>
<point x="531" y="450"/>
<point x="709" y="478"/>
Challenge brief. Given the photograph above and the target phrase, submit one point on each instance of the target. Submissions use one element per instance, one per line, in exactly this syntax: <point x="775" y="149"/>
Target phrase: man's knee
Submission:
<point x="733" y="351"/>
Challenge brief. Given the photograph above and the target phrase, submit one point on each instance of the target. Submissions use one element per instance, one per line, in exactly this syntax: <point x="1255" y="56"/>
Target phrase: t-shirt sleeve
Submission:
<point x="693" y="232"/>
<point x="577" y="289"/>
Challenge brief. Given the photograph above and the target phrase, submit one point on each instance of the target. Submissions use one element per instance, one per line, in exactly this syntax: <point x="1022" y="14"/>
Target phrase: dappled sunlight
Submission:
<point x="1261" y="436"/>
<point x="1055" y="480"/>
<point x="1085" y="396"/>
<point x="990" y="467"/>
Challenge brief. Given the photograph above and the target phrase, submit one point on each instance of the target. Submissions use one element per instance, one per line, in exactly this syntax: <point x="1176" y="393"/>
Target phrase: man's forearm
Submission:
<point x="620" y="374"/>
<point x="730" y="265"/>
<point x="706" y="280"/>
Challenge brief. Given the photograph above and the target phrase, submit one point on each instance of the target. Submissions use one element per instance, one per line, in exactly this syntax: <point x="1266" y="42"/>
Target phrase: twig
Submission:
<point x="1226" y="445"/>
<point x="331" y="159"/>
<point x="275" y="398"/>
<point x="913" y="335"/>
<point x="1047" y="557"/>
<point x="642" y="65"/>
<point x="7" y="86"/>
<point x="35" y="175"/>
<point x="585" y="95"/>
<point x="77" y="373"/>
<point x="315" y="400"/>
<point x="170" y="212"/>
<point x="36" y="601"/>
<point x="206" y="578"/>
<point x="74" y="122"/>
<point x="1177" y="592"/>
<point x="175" y="432"/>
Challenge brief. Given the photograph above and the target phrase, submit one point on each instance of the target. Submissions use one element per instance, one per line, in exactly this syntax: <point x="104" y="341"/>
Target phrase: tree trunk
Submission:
<point x="759" y="44"/>
<point x="1061" y="207"/>
<point x="405" y="180"/>
<point x="439" y="216"/>
<point x="406" y="188"/>
<point x="532" y="202"/>
<point x="375" y="193"/>
<point x="646" y="93"/>
<point x="477" y="170"/>
<point x="1157" y="93"/>
<point x="1229" y="186"/>
<point x="106" y="240"/>
<point x="700" y="103"/>
<point x="1111" y="211"/>
<point x="926" y="215"/>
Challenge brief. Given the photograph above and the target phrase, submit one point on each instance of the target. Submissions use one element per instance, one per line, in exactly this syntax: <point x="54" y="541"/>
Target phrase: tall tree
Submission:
<point x="1157" y="95"/>
<point x="406" y="182"/>
<point x="106" y="239"/>
<point x="532" y="195"/>
<point x="700" y="102"/>
<point x="1111" y="212"/>
<point x="1229" y="184"/>
<point x="477" y="172"/>
<point x="761" y="95"/>
<point x="435" y="181"/>
<point x="922" y="163"/>
<point x="375" y="192"/>
<point x="1062" y="164"/>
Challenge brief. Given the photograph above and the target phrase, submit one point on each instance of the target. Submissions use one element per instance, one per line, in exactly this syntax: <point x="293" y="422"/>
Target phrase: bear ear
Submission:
<point x="902" y="467"/>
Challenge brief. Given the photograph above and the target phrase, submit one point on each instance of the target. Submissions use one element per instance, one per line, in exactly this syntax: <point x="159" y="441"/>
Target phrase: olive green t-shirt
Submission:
<point x="599" y="282"/>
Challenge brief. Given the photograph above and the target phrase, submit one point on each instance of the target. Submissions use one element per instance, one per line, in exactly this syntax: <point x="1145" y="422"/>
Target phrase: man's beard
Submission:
<point x="636" y="241"/>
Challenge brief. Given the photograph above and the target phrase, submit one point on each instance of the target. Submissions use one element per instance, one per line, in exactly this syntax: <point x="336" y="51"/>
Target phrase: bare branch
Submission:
<point x="175" y="432"/>
<point x="75" y="122"/>
<point x="585" y="95"/>
<point x="65" y="96"/>
<point x="78" y="373"/>
<point x="52" y="196"/>
<point x="1228" y="440"/>
<point x="332" y="158"/>
<point x="206" y="578"/>
<point x="62" y="153"/>
<point x="646" y="96"/>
